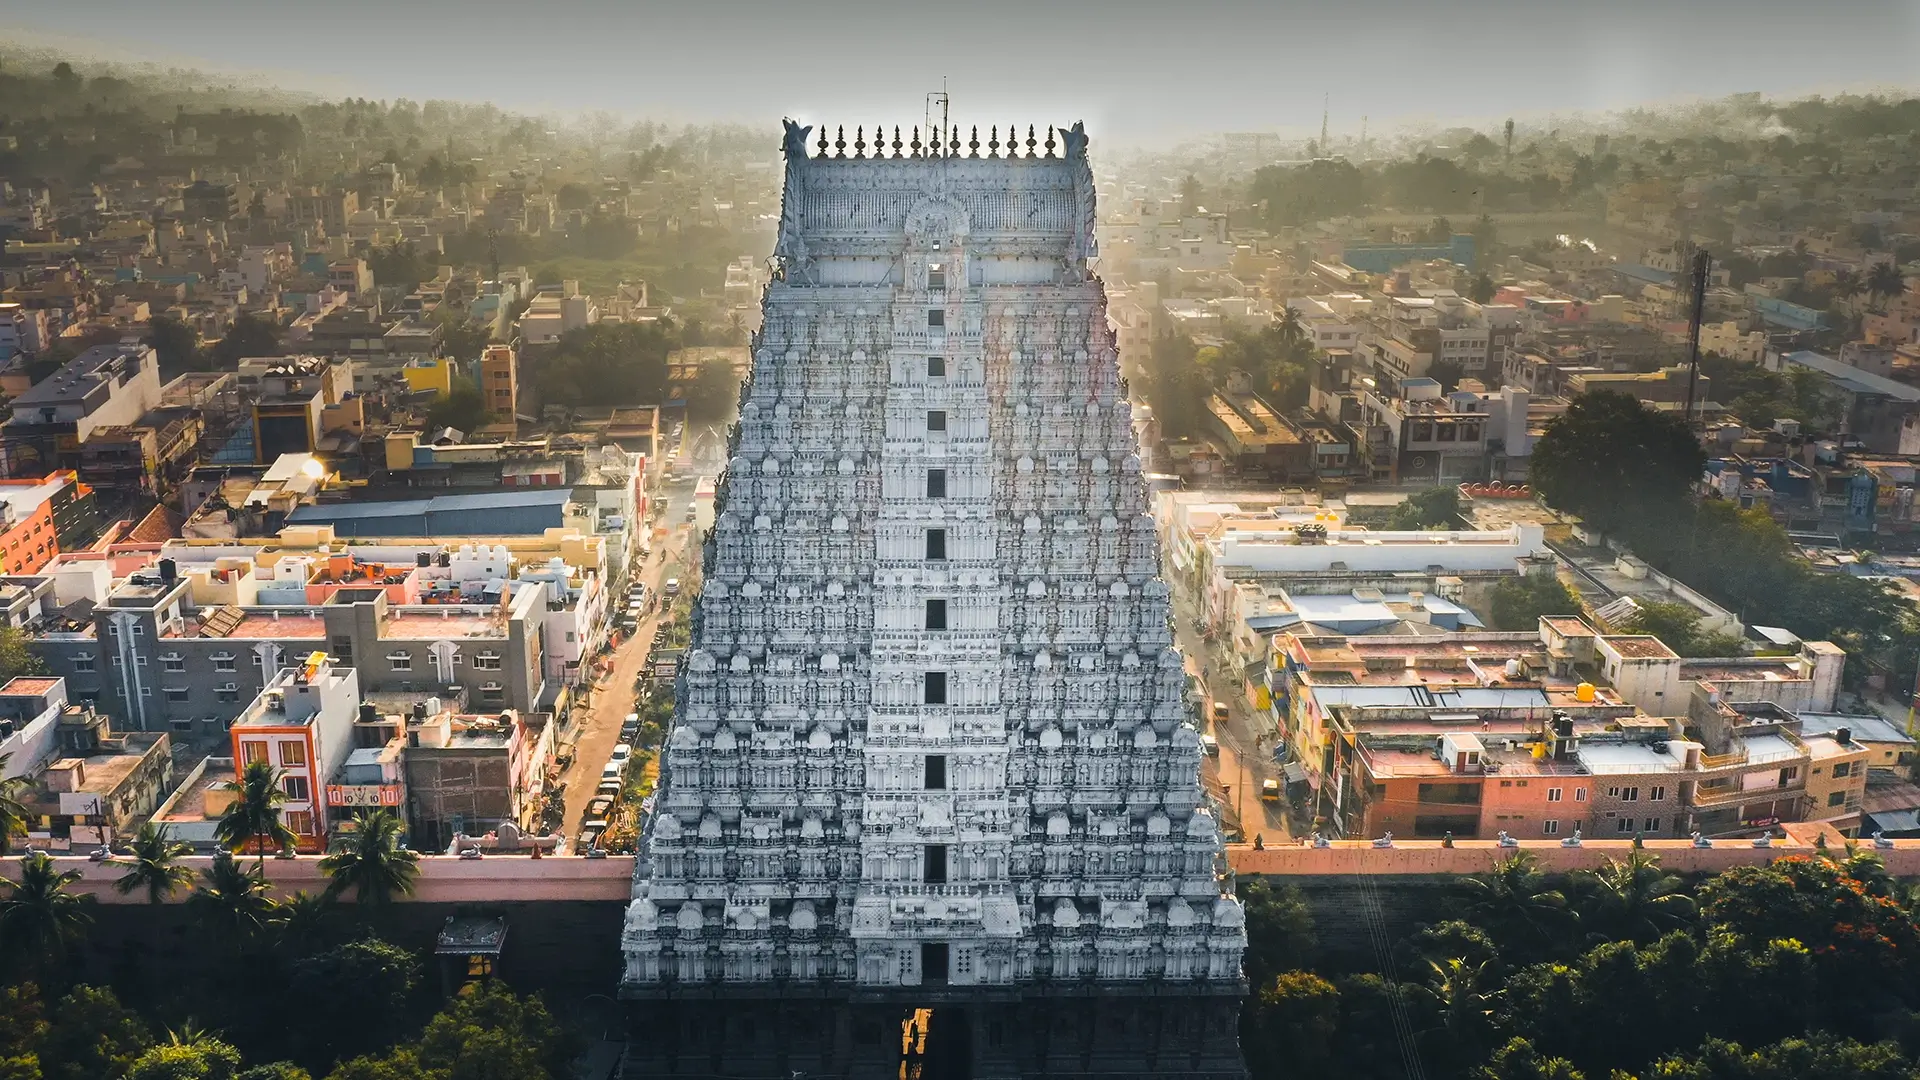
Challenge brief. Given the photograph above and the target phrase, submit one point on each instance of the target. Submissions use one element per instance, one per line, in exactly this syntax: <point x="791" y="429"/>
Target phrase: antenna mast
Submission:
<point x="1702" y="271"/>
<point x="1324" y="100"/>
<point x="940" y="96"/>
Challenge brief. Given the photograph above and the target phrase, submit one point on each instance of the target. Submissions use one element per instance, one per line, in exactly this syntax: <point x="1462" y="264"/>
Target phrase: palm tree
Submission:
<point x="1515" y="895"/>
<point x="1454" y="991"/>
<point x="39" y="916"/>
<point x="1636" y="898"/>
<point x="14" y="814"/>
<point x="304" y="922"/>
<point x="1886" y="281"/>
<point x="372" y="863"/>
<point x="1292" y="331"/>
<point x="154" y="866"/>
<point x="233" y="897"/>
<point x="255" y="815"/>
<point x="1847" y="283"/>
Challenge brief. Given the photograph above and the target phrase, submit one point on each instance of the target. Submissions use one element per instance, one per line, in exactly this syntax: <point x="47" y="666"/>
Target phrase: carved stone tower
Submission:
<point x="931" y="798"/>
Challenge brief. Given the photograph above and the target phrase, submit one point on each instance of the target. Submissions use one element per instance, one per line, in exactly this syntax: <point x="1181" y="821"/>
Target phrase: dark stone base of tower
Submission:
<point x="930" y="1034"/>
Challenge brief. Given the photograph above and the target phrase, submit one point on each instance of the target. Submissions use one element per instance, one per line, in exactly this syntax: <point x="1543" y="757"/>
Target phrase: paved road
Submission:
<point x="612" y="697"/>
<point x="1246" y="740"/>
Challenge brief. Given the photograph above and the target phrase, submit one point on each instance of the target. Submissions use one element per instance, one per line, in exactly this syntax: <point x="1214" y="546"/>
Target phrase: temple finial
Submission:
<point x="823" y="140"/>
<point x="859" y="142"/>
<point x="1030" y="141"/>
<point x="915" y="144"/>
<point x="896" y="140"/>
<point x="840" y="140"/>
<point x="973" y="143"/>
<point x="1049" y="140"/>
<point x="993" y="142"/>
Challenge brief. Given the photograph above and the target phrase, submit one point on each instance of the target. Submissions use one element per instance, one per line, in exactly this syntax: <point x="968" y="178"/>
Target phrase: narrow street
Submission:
<point x="612" y="695"/>
<point x="1246" y="740"/>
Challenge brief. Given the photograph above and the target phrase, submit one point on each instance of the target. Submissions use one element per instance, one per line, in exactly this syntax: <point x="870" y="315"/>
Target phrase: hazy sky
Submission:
<point x="1135" y="71"/>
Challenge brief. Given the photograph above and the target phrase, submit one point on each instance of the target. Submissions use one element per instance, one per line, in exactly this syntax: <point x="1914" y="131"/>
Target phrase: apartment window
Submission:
<point x="936" y="319"/>
<point x="1631" y="794"/>
<point x="1550" y="828"/>
<point x="1789" y="774"/>
<point x="935" y="865"/>
<point x="173" y="663"/>
<point x="146" y="691"/>
<point x="1842" y="769"/>
<point x="253" y="750"/>
<point x="343" y="651"/>
<point x="933" y="688"/>
<point x="293" y="754"/>
<point x="1623" y="825"/>
<point x="936" y="545"/>
<point x="400" y="661"/>
<point x="493" y="693"/>
<point x="936" y="421"/>
<point x="1653" y="824"/>
<point x="1838" y="798"/>
<point x="936" y="483"/>
<point x="83" y="663"/>
<point x="936" y="276"/>
<point x="296" y="788"/>
<point x="1579" y="794"/>
<point x="1656" y="793"/>
<point x="228" y="693"/>
<point x="933" y="772"/>
<point x="176" y="694"/>
<point x="139" y="630"/>
<point x="936" y="614"/>
<point x="300" y="821"/>
<point x="139" y="661"/>
<point x="936" y="367"/>
<point x="486" y="661"/>
<point x="181" y="725"/>
<point x="1553" y="794"/>
<point x="225" y="663"/>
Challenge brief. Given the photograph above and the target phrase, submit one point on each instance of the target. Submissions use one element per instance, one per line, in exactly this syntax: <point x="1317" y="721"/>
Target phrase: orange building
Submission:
<point x="29" y="531"/>
<point x="302" y="725"/>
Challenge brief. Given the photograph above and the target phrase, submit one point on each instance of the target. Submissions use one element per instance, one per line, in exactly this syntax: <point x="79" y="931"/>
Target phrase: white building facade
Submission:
<point x="930" y="748"/>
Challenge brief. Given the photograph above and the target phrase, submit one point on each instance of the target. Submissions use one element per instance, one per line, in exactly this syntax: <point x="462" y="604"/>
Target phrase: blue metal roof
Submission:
<point x="1643" y="272"/>
<point x="499" y="513"/>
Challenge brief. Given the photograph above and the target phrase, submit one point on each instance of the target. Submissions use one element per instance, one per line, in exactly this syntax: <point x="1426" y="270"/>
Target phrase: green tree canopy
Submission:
<point x="1433" y="508"/>
<point x="464" y="410"/>
<point x="1613" y="461"/>
<point x="714" y="395"/>
<point x="250" y="335"/>
<point x="1292" y="195"/>
<point x="1520" y="602"/>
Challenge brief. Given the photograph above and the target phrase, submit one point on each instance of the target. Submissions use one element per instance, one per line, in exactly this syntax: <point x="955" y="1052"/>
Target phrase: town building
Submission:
<point x="302" y="725"/>
<point x="500" y="381"/>
<point x="865" y="791"/>
<point x="106" y="386"/>
<point x="468" y="775"/>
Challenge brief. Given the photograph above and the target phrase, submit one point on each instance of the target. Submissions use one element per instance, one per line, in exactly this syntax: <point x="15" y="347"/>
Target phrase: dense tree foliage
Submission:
<point x="1433" y="508"/>
<point x="1614" y="461"/>
<point x="604" y="364"/>
<point x="1519" y="602"/>
<point x="250" y="335"/>
<point x="1793" y="969"/>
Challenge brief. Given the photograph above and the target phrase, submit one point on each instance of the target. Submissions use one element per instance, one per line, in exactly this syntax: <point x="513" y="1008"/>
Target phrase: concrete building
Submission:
<point x="302" y="725"/>
<point x="500" y="381"/>
<point x="469" y="775"/>
<point x="106" y="386"/>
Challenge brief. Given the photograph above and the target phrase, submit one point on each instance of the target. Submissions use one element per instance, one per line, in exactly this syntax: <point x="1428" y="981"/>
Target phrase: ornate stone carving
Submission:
<point x="932" y="712"/>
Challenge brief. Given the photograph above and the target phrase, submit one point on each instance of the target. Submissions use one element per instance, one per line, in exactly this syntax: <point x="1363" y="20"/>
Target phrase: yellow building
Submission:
<point x="435" y="373"/>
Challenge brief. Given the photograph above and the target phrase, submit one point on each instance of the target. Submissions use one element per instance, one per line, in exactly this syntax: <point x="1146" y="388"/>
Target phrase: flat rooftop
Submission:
<point x="190" y="805"/>
<point x="446" y="622"/>
<point x="1625" y="758"/>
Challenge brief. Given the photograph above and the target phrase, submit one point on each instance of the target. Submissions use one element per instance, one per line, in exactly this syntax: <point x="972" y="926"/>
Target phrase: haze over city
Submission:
<point x="858" y="541"/>
<point x="1136" y="72"/>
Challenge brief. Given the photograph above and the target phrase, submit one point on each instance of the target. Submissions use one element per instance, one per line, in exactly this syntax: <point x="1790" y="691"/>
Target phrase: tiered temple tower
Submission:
<point x="931" y="800"/>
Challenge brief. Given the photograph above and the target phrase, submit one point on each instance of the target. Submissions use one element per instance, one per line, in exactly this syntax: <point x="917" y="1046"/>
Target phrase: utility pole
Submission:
<point x="1325" y="101"/>
<point x="1702" y="270"/>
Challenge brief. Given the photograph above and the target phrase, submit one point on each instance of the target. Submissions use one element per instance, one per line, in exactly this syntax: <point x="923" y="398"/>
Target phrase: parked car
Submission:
<point x="621" y="753"/>
<point x="598" y="806"/>
<point x="613" y="770"/>
<point x="672" y="587"/>
<point x="1209" y="746"/>
<point x="608" y="787"/>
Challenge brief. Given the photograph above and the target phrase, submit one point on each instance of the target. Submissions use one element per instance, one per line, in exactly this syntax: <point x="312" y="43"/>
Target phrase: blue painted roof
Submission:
<point x="1643" y="272"/>
<point x="498" y="513"/>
